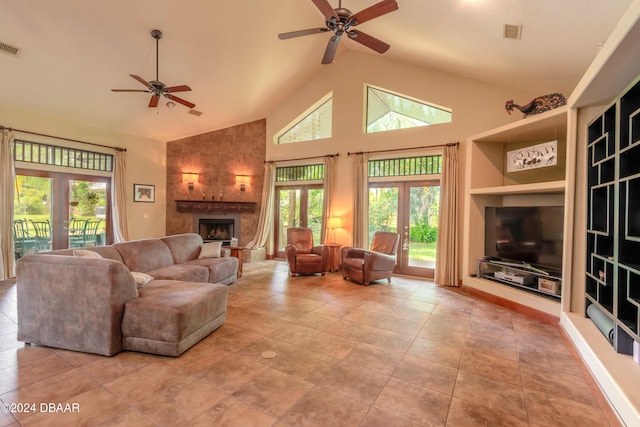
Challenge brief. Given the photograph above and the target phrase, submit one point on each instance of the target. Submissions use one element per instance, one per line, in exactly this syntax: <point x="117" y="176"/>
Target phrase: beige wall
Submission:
<point x="476" y="107"/>
<point x="146" y="162"/>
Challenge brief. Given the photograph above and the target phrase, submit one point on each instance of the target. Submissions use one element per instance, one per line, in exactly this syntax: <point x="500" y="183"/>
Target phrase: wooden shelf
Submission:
<point x="551" y="187"/>
<point x="548" y="125"/>
<point x="213" y="206"/>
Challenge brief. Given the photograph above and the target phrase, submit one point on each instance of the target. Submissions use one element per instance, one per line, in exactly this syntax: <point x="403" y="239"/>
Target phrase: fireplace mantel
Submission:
<point x="214" y="206"/>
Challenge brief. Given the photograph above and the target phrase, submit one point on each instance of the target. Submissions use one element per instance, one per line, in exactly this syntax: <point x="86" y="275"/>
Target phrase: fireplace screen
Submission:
<point x="216" y="229"/>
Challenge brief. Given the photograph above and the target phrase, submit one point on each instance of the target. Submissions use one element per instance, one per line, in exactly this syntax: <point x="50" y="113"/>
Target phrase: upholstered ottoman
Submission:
<point x="170" y="316"/>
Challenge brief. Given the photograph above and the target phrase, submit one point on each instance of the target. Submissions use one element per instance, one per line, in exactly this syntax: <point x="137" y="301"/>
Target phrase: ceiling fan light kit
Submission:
<point x="340" y="21"/>
<point x="156" y="87"/>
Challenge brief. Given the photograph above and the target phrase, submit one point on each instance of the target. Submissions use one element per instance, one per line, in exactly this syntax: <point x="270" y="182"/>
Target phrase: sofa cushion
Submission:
<point x="210" y="250"/>
<point x="183" y="247"/>
<point x="221" y="270"/>
<point x="171" y="316"/>
<point x="185" y="271"/>
<point x="86" y="253"/>
<point x="144" y="255"/>
<point x="141" y="279"/>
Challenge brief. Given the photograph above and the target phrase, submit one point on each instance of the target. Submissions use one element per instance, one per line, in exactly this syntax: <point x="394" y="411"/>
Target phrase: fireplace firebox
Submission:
<point x="216" y="229"/>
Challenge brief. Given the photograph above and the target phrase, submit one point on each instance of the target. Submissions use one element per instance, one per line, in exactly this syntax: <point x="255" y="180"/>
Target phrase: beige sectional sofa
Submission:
<point x="94" y="305"/>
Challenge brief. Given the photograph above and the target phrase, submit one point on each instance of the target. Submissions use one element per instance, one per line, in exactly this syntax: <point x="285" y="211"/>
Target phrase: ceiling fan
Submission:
<point x="340" y="21"/>
<point x="156" y="87"/>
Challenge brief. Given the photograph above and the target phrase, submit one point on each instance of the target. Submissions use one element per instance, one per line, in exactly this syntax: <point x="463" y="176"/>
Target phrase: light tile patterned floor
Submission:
<point x="407" y="353"/>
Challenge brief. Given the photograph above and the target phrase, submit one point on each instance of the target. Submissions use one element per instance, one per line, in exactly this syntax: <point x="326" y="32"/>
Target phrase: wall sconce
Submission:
<point x="333" y="223"/>
<point x="190" y="178"/>
<point x="243" y="180"/>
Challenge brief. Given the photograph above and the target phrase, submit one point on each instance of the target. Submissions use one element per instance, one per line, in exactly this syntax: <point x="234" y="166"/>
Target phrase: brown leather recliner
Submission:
<point x="303" y="257"/>
<point x="365" y="266"/>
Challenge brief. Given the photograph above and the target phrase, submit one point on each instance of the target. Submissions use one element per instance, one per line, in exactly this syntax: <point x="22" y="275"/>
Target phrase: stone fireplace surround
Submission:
<point x="217" y="156"/>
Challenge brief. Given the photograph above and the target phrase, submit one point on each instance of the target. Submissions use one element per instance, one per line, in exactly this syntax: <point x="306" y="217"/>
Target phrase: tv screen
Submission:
<point x="531" y="235"/>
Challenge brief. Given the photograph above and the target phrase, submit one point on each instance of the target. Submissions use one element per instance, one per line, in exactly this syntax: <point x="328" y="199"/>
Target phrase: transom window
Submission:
<point x="313" y="124"/>
<point x="300" y="173"/>
<point x="406" y="166"/>
<point x="389" y="111"/>
<point x="36" y="152"/>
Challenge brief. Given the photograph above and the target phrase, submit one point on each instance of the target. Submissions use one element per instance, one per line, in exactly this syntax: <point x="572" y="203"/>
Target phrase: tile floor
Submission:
<point x="403" y="354"/>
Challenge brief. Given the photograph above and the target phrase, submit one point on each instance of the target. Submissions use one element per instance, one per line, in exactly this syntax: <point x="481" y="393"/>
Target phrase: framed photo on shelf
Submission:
<point x="144" y="193"/>
<point x="536" y="156"/>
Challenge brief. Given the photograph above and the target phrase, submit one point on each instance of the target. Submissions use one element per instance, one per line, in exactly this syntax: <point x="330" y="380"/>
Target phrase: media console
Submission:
<point x="521" y="275"/>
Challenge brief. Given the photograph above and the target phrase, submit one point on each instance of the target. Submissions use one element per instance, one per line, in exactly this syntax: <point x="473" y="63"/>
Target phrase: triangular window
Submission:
<point x="315" y="123"/>
<point x="389" y="111"/>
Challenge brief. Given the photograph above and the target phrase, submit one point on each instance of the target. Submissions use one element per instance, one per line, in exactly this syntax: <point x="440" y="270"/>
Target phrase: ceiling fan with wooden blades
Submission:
<point x="156" y="87"/>
<point x="340" y="22"/>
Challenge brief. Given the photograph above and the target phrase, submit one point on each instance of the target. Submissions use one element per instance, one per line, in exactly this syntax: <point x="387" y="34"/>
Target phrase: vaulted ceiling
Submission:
<point x="73" y="52"/>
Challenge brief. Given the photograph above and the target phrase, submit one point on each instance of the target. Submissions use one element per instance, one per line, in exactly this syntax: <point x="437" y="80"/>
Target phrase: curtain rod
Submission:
<point x="451" y="144"/>
<point x="303" y="158"/>
<point x="61" y="138"/>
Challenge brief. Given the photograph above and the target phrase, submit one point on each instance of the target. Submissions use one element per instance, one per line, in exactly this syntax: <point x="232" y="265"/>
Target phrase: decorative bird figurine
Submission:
<point x="538" y="105"/>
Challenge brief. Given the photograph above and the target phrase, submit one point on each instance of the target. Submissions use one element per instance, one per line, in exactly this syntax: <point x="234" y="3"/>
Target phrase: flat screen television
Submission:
<point x="527" y="235"/>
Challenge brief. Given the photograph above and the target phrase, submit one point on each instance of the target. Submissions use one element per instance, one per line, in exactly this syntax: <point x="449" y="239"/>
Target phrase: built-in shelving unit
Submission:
<point x="613" y="222"/>
<point x="488" y="183"/>
<point x="611" y="278"/>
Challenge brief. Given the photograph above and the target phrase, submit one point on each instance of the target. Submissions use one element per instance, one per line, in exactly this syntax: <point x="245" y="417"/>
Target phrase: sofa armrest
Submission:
<point x="323" y="251"/>
<point x="351" y="252"/>
<point x="74" y="303"/>
<point x="374" y="261"/>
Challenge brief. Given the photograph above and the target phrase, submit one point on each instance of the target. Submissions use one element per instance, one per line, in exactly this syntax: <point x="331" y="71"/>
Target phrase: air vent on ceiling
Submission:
<point x="512" y="31"/>
<point x="195" y="112"/>
<point x="7" y="48"/>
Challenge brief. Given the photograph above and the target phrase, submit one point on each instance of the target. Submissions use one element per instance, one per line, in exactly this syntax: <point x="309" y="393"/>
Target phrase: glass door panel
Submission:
<point x="383" y="209"/>
<point x="32" y="214"/>
<point x="299" y="206"/>
<point x="423" y="226"/>
<point x="410" y="209"/>
<point x="314" y="213"/>
<point x="288" y="214"/>
<point x="53" y="208"/>
<point x="87" y="213"/>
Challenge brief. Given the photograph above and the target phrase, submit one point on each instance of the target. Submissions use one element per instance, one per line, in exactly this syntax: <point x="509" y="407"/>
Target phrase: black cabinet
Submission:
<point x="613" y="217"/>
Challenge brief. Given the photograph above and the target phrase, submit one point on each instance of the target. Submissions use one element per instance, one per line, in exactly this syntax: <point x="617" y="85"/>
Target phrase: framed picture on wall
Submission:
<point x="144" y="193"/>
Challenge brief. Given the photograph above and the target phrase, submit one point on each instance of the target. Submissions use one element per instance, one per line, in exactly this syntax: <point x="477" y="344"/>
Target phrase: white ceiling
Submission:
<point x="72" y="52"/>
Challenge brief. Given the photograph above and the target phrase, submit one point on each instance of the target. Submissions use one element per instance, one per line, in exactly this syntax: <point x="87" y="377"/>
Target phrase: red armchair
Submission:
<point x="303" y="257"/>
<point x="365" y="266"/>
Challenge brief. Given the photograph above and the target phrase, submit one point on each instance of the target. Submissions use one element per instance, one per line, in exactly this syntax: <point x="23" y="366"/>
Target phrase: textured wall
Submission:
<point x="217" y="156"/>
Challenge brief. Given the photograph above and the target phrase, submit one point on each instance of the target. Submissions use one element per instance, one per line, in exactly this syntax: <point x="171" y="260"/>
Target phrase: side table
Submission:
<point x="238" y="252"/>
<point x="334" y="256"/>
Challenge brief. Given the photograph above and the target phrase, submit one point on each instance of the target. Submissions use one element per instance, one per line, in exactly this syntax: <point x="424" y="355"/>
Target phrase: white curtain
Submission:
<point x="119" y="199"/>
<point x="447" y="269"/>
<point x="7" y="183"/>
<point x="361" y="201"/>
<point x="264" y="232"/>
<point x="328" y="186"/>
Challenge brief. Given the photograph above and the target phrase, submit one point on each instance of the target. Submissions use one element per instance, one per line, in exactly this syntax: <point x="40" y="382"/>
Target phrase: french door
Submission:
<point x="54" y="207"/>
<point x="411" y="210"/>
<point x="297" y="206"/>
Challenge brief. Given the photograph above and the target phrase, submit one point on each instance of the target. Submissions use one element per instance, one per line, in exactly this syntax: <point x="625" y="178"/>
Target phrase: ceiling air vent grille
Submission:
<point x="195" y="112"/>
<point x="512" y="31"/>
<point x="7" y="48"/>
